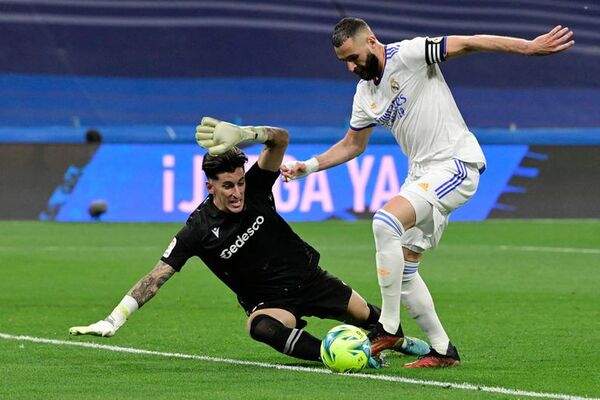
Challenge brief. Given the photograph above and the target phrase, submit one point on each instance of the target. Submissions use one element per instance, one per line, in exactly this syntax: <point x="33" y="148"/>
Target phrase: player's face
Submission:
<point x="228" y="190"/>
<point x="357" y="54"/>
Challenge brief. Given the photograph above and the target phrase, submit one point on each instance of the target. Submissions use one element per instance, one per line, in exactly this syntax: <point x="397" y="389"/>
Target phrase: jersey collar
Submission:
<point x="377" y="80"/>
<point x="214" y="211"/>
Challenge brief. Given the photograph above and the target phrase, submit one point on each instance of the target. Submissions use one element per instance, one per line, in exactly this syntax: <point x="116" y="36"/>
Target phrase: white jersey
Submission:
<point x="413" y="100"/>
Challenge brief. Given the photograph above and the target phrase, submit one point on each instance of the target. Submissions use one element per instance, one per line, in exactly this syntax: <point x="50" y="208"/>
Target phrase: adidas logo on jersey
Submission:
<point x="241" y="240"/>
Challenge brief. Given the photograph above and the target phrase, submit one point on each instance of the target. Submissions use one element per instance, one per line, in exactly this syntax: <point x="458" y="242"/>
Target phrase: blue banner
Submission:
<point x="165" y="183"/>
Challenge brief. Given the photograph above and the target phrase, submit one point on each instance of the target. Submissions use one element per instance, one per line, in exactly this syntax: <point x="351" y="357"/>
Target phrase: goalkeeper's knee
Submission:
<point x="293" y="342"/>
<point x="267" y="329"/>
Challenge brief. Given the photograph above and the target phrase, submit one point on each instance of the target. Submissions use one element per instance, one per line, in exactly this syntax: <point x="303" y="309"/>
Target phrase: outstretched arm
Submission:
<point x="219" y="136"/>
<point x="351" y="146"/>
<point x="148" y="286"/>
<point x="555" y="41"/>
<point x="272" y="154"/>
<point x="139" y="295"/>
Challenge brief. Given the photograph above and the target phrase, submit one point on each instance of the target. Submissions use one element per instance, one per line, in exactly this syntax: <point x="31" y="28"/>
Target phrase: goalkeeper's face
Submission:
<point x="228" y="190"/>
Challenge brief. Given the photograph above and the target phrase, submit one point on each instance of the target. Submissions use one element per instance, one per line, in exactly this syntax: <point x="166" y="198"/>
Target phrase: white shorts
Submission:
<point x="446" y="186"/>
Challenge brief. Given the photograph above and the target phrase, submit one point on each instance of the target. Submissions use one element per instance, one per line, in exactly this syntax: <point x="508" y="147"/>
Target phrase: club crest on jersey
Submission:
<point x="394" y="85"/>
<point x="215" y="231"/>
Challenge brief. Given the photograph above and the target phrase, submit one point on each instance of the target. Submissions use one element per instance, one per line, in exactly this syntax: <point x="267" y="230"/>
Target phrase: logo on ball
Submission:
<point x="345" y="348"/>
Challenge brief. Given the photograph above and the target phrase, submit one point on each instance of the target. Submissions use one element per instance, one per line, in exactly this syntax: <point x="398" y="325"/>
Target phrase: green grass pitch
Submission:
<point x="518" y="298"/>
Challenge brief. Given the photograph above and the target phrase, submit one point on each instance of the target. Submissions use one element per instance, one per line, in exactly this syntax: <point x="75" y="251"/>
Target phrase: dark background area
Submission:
<point x="288" y="39"/>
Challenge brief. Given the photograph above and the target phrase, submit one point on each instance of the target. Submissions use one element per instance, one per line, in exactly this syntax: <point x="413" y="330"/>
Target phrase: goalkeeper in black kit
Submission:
<point x="238" y="234"/>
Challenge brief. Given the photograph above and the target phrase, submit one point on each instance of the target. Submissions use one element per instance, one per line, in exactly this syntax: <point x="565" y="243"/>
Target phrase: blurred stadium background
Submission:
<point x="143" y="73"/>
<point x="99" y="100"/>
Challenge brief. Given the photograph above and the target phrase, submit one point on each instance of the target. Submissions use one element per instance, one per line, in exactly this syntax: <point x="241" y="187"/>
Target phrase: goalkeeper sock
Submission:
<point x="418" y="301"/>
<point x="121" y="313"/>
<point x="389" y="258"/>
<point x="374" y="314"/>
<point x="293" y="342"/>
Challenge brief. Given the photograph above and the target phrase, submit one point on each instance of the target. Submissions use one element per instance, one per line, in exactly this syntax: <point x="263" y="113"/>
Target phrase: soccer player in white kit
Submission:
<point x="402" y="88"/>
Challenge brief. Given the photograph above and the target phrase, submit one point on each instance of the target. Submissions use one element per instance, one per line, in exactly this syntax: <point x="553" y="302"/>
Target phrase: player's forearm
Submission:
<point x="276" y="137"/>
<point x="351" y="146"/>
<point x="339" y="153"/>
<point x="149" y="285"/>
<point x="143" y="291"/>
<point x="460" y="45"/>
<point x="272" y="154"/>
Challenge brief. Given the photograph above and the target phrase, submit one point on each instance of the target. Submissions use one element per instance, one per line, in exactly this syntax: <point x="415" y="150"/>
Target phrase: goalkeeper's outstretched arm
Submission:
<point x="147" y="287"/>
<point x="139" y="295"/>
<point x="276" y="143"/>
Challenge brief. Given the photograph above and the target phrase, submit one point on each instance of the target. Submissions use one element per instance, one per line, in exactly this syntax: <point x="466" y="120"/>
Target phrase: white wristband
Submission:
<point x="121" y="313"/>
<point x="312" y="165"/>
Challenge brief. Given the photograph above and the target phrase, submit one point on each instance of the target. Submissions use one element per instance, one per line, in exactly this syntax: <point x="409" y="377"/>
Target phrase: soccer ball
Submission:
<point x="345" y="348"/>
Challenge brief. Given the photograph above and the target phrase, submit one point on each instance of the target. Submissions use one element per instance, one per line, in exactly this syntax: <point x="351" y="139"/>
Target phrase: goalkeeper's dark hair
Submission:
<point x="347" y="28"/>
<point x="226" y="162"/>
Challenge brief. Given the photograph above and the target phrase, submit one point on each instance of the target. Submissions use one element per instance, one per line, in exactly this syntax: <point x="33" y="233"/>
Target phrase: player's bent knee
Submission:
<point x="358" y="309"/>
<point x="386" y="226"/>
<point x="278" y="314"/>
<point x="410" y="255"/>
<point x="264" y="328"/>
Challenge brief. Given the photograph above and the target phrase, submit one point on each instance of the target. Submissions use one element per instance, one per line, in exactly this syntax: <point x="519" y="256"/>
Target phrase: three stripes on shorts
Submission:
<point x="453" y="182"/>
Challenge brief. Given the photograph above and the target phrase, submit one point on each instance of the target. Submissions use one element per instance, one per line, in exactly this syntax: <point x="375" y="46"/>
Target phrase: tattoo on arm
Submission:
<point x="147" y="287"/>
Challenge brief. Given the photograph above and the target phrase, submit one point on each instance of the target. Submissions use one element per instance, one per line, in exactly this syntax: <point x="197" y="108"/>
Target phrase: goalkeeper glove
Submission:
<point x="101" y="328"/>
<point x="219" y="136"/>
<point x="109" y="326"/>
<point x="298" y="169"/>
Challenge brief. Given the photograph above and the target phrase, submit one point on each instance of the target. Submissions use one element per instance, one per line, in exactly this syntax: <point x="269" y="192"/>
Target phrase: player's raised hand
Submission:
<point x="100" y="328"/>
<point x="294" y="169"/>
<point x="219" y="136"/>
<point x="555" y="41"/>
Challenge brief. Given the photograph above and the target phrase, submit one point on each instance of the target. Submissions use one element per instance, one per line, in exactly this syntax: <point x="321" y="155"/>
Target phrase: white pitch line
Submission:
<point x="387" y="378"/>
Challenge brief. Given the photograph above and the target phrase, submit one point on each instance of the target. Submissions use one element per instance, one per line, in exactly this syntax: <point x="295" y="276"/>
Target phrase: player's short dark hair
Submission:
<point x="347" y="27"/>
<point x="226" y="162"/>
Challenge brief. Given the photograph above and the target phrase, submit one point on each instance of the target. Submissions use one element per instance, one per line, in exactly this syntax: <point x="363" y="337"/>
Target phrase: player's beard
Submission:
<point x="371" y="69"/>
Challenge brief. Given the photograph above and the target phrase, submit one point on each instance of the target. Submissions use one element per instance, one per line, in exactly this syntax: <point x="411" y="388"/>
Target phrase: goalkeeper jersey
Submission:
<point x="254" y="252"/>
<point x="412" y="99"/>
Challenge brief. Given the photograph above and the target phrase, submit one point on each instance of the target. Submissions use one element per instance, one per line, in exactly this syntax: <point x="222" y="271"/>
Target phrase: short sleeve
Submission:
<point x="422" y="51"/>
<point x="360" y="120"/>
<point x="260" y="181"/>
<point x="180" y="249"/>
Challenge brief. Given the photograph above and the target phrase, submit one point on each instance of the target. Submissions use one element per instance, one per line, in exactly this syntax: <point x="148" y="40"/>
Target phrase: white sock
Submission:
<point x="417" y="299"/>
<point x="121" y="313"/>
<point x="389" y="258"/>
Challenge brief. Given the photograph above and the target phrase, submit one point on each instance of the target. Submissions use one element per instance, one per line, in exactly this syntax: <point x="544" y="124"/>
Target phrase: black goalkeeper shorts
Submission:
<point x="324" y="296"/>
